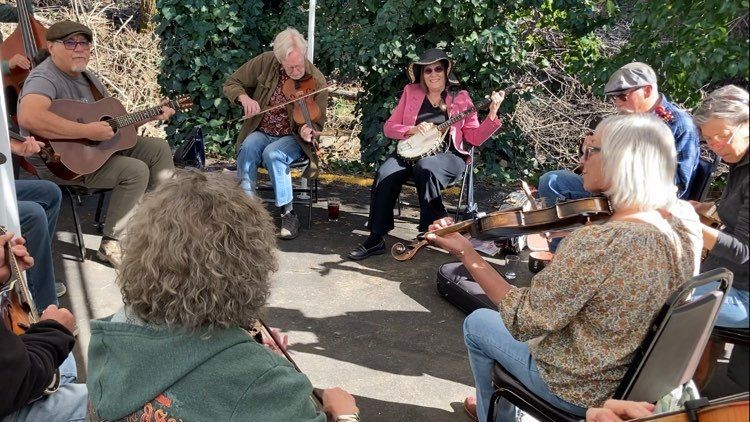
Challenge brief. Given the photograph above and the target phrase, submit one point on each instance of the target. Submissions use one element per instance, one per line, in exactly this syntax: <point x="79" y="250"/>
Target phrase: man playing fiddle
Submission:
<point x="273" y="139"/>
<point x="63" y="75"/>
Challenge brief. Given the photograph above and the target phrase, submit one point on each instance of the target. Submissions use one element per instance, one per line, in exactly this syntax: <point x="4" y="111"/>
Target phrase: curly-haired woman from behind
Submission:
<point x="196" y="264"/>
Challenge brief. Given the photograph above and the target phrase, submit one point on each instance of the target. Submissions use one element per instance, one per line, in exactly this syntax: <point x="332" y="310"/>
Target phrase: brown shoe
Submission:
<point x="109" y="252"/>
<point x="289" y="226"/>
<point x="470" y="406"/>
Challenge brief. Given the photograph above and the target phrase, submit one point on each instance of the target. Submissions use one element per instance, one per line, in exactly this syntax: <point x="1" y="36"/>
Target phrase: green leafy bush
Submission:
<point x="203" y="42"/>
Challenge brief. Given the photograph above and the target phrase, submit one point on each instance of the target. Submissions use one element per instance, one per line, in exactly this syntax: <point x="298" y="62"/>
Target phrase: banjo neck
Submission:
<point x="484" y="102"/>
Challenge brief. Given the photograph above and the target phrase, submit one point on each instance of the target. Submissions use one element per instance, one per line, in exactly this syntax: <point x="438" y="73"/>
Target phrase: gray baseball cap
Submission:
<point x="632" y="75"/>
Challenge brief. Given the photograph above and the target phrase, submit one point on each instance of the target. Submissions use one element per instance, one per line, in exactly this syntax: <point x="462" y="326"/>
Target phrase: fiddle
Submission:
<point x="306" y="110"/>
<point x="17" y="306"/>
<point x="562" y="216"/>
<point x="727" y="409"/>
<point x="27" y="39"/>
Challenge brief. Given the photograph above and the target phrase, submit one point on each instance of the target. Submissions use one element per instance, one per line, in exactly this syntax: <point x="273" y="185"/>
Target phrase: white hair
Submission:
<point x="639" y="161"/>
<point x="287" y="41"/>
<point x="729" y="103"/>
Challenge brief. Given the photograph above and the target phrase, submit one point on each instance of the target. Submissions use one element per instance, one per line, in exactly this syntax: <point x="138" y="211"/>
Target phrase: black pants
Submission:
<point x="430" y="174"/>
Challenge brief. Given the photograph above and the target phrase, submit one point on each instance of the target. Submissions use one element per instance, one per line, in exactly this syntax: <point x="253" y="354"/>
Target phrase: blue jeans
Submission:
<point x="275" y="154"/>
<point x="38" y="208"/>
<point x="734" y="311"/>
<point x="557" y="186"/>
<point x="67" y="404"/>
<point x="489" y="341"/>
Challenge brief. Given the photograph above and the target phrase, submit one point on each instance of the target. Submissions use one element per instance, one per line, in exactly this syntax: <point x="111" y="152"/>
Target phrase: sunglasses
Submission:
<point x="429" y="70"/>
<point x="624" y="95"/>
<point x="72" y="44"/>
<point x="588" y="151"/>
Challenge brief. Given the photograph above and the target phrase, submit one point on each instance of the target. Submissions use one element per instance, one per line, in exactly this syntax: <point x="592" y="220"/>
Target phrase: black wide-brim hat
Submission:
<point x="433" y="55"/>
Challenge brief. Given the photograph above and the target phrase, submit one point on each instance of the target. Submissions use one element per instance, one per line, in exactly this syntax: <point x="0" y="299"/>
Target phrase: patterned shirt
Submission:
<point x="687" y="144"/>
<point x="594" y="303"/>
<point x="276" y="122"/>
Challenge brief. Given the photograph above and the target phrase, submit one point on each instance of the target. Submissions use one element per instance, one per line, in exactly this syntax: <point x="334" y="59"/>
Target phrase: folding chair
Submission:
<point x="704" y="175"/>
<point x="466" y="180"/>
<point x="77" y="191"/>
<point x="665" y="360"/>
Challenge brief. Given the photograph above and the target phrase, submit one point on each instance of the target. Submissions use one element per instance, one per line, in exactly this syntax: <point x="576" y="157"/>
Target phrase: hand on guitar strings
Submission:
<point x="166" y="112"/>
<point x="619" y="410"/>
<point x="455" y="243"/>
<point x="307" y="133"/>
<point x="496" y="98"/>
<point x="25" y="261"/>
<point x="421" y="128"/>
<point x="99" y="131"/>
<point x="26" y="148"/>
<point x="278" y="343"/>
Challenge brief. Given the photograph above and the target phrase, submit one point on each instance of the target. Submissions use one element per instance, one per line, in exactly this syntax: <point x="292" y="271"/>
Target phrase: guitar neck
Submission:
<point x="139" y="116"/>
<point x="16" y="271"/>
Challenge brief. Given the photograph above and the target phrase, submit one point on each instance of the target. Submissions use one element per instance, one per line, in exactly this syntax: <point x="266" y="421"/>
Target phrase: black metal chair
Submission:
<point x="466" y="180"/>
<point x="77" y="192"/>
<point x="703" y="177"/>
<point x="310" y="189"/>
<point x="665" y="360"/>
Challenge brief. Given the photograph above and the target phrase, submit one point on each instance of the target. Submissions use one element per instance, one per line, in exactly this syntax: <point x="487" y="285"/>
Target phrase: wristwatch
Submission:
<point x="354" y="417"/>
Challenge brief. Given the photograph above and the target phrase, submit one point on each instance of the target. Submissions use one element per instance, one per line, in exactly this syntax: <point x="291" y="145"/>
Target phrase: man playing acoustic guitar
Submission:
<point x="64" y="76"/>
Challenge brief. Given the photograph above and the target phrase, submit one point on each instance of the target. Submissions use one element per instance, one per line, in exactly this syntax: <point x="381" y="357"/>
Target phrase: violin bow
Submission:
<point x="243" y="118"/>
<point x="527" y="191"/>
<point x="317" y="393"/>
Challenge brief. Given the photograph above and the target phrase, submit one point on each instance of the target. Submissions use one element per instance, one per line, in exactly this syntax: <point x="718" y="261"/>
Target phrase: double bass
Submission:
<point x="27" y="39"/>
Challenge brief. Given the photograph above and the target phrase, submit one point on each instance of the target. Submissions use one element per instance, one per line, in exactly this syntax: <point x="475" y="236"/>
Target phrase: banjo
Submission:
<point x="422" y="145"/>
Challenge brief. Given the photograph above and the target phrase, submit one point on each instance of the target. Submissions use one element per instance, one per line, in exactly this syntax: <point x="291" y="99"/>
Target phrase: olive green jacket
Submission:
<point x="258" y="79"/>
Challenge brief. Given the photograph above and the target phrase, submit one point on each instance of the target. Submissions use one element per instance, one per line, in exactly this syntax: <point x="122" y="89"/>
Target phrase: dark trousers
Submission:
<point x="430" y="174"/>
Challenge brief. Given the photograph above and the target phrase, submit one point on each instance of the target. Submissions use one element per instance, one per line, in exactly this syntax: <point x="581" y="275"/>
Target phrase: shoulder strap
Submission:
<point x="94" y="90"/>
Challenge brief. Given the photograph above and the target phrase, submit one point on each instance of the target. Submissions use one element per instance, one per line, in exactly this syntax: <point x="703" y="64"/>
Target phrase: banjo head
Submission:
<point x="420" y="145"/>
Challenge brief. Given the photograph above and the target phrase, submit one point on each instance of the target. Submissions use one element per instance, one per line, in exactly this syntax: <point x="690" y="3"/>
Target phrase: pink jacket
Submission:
<point x="405" y="116"/>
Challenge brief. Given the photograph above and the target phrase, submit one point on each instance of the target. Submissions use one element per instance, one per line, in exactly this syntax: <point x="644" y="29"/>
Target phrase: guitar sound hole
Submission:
<point x="105" y="118"/>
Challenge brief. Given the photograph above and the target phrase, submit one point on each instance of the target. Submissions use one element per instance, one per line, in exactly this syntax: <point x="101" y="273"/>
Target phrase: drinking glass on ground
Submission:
<point x="333" y="208"/>
<point x="512" y="263"/>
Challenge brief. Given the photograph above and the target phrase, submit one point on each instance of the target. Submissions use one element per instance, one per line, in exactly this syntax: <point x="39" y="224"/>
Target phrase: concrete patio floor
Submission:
<point x="376" y="328"/>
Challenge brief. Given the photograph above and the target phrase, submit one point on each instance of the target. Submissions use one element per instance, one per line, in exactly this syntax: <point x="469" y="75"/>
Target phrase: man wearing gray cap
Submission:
<point x="63" y="75"/>
<point x="633" y="88"/>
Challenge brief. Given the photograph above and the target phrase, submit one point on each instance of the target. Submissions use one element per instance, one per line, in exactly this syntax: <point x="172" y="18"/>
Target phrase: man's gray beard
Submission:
<point x="78" y="69"/>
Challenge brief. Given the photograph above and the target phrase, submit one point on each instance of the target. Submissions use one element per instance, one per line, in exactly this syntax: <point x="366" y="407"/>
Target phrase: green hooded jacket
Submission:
<point x="139" y="371"/>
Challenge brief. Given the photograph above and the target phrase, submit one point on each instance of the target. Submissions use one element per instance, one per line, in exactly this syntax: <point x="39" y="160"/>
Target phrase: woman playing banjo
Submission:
<point x="429" y="100"/>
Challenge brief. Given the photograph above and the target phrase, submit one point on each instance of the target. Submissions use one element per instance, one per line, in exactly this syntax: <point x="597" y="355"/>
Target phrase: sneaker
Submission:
<point x="289" y="226"/>
<point x="60" y="289"/>
<point x="109" y="252"/>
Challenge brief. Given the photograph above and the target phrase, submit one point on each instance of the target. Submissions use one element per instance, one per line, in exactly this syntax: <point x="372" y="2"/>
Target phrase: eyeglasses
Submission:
<point x="73" y="44"/>
<point x="720" y="138"/>
<point x="623" y="96"/>
<point x="590" y="150"/>
<point x="429" y="70"/>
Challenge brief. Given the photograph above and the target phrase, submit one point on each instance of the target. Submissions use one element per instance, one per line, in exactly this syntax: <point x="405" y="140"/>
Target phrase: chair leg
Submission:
<point x="77" y="222"/>
<point x="99" y="223"/>
<point x="461" y="195"/>
<point x="491" y="411"/>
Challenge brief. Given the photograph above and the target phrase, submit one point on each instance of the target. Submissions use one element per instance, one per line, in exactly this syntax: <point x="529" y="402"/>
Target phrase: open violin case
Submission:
<point x="457" y="287"/>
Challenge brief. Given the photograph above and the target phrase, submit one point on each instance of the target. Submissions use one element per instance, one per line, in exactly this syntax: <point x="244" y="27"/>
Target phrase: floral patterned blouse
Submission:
<point x="594" y="303"/>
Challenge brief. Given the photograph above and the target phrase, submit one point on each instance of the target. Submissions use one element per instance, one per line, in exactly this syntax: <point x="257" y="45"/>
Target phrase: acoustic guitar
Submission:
<point x="70" y="159"/>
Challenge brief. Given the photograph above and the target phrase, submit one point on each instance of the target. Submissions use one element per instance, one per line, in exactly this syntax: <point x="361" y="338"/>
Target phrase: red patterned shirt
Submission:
<point x="276" y="122"/>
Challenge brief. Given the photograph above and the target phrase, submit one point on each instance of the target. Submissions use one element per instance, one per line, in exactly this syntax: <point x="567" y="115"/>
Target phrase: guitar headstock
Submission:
<point x="183" y="102"/>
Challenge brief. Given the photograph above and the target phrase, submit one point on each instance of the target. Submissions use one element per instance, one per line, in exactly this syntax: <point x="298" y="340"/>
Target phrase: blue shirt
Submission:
<point x="687" y="144"/>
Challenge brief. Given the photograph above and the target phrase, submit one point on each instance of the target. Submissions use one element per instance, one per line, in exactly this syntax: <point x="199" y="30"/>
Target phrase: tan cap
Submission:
<point x="632" y="75"/>
<point x="63" y="29"/>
